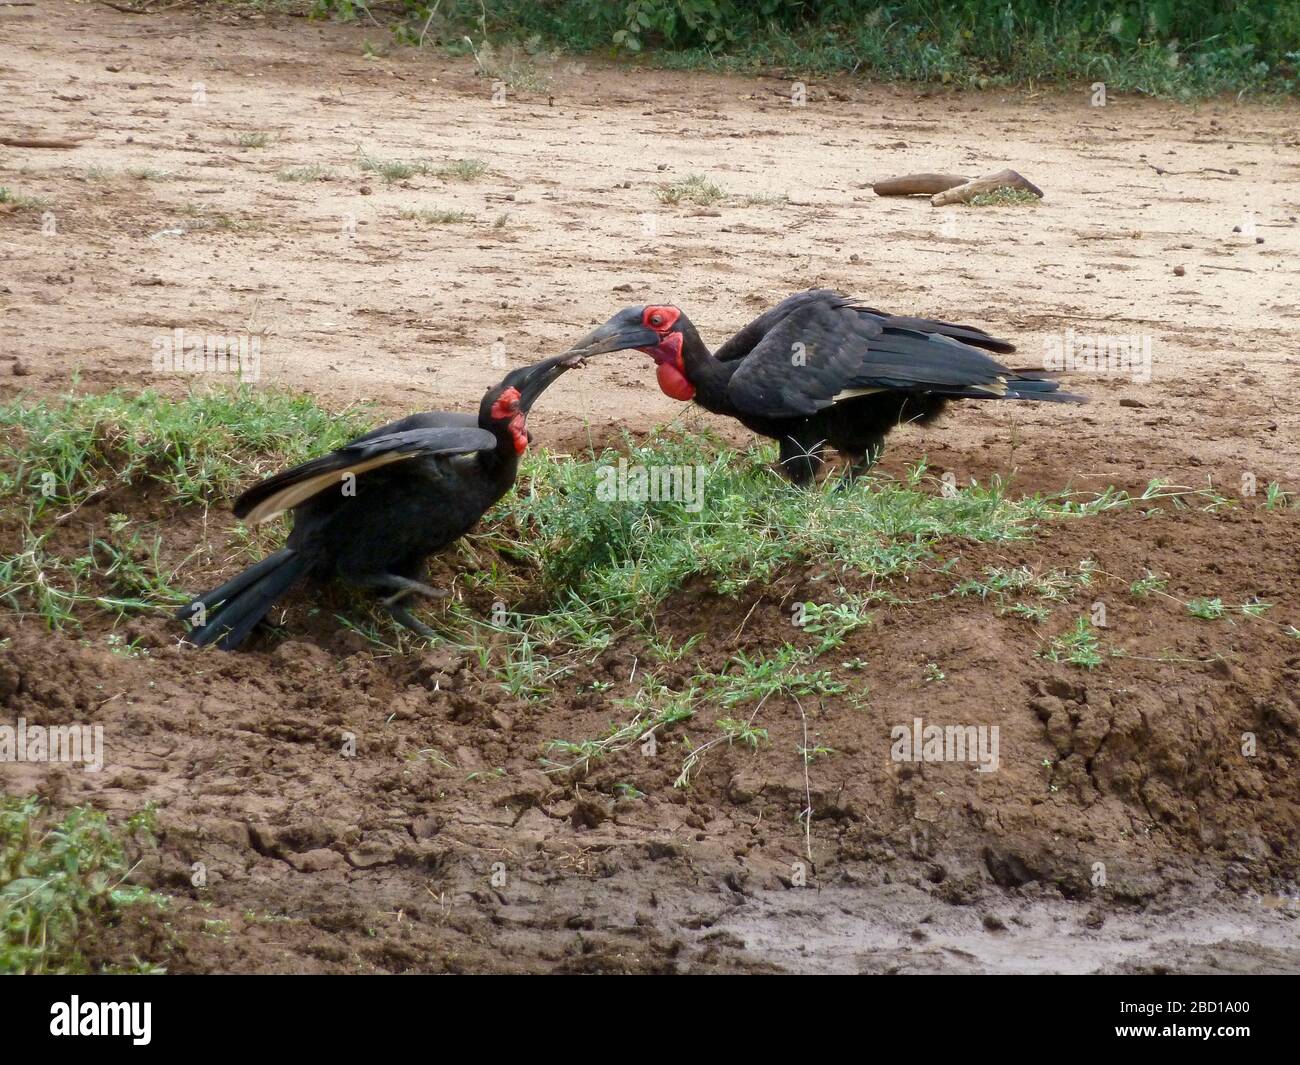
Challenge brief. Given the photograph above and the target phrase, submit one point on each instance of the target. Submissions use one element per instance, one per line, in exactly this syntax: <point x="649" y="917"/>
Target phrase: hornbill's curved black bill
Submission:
<point x="536" y="379"/>
<point x="618" y="334"/>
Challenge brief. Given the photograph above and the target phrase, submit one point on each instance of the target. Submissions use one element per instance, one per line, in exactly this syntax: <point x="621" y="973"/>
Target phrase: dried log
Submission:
<point x="1003" y="179"/>
<point x="45" y="142"/>
<point x="915" y="184"/>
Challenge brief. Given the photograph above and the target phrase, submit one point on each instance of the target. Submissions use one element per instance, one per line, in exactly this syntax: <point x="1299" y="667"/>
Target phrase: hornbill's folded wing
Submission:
<point x="286" y="490"/>
<point x="824" y="353"/>
<point x="743" y="342"/>
<point x="967" y="334"/>
<point x="429" y="419"/>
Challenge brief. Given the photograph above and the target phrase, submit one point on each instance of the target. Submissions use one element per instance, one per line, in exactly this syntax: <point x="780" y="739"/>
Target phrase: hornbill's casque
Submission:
<point x="819" y="369"/>
<point x="371" y="512"/>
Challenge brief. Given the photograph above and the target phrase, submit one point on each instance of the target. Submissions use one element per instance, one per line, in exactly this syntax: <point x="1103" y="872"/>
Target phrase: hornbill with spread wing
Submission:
<point x="818" y="369"/>
<point x="371" y="512"/>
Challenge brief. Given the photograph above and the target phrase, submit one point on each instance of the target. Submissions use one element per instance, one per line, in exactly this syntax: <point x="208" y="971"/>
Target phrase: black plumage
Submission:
<point x="371" y="512"/>
<point x="821" y="370"/>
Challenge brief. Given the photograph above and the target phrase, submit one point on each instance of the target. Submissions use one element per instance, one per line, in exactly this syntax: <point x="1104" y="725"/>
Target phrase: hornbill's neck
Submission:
<point x="709" y="376"/>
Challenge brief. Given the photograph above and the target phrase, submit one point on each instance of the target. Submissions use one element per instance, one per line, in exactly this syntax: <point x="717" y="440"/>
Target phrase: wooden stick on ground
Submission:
<point x="944" y="189"/>
<point x="1003" y="179"/>
<point x="914" y="184"/>
<point x="45" y="142"/>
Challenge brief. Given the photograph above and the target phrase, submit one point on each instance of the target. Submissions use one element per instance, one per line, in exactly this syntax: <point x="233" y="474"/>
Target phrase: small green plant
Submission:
<point x="1079" y="646"/>
<point x="932" y="672"/>
<point x="252" y="139"/>
<point x="526" y="674"/>
<point x="432" y="217"/>
<point x="1274" y="496"/>
<point x="755" y="679"/>
<point x="148" y="173"/>
<point x="1147" y="585"/>
<point x="834" y="621"/>
<point x="1005" y="198"/>
<point x="60" y="880"/>
<point x="656" y="710"/>
<point x="18" y="202"/>
<point x="737" y="731"/>
<point x="811" y="754"/>
<point x="667" y="650"/>
<point x="999" y="582"/>
<point x="462" y="170"/>
<point x="695" y="189"/>
<point x="310" y="172"/>
<point x="1034" y="612"/>
<point x="392" y="169"/>
<point x="495" y="773"/>
<point x="1206" y="609"/>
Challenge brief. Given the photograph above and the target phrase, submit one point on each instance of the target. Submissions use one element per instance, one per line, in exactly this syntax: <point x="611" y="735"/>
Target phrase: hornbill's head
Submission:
<point x="505" y="407"/>
<point x="656" y="330"/>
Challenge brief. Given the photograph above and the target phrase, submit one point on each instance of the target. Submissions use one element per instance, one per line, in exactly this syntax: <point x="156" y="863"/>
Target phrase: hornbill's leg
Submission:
<point x="801" y="457"/>
<point x="408" y="620"/>
<point x="401" y="587"/>
<point x="864" y="460"/>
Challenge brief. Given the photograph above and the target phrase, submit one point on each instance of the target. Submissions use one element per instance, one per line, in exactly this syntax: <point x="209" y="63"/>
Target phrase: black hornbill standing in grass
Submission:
<point x="819" y="369"/>
<point x="371" y="512"/>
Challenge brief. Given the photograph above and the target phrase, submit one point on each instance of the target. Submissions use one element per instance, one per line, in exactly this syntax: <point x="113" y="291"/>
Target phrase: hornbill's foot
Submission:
<point x="859" y="467"/>
<point x="401" y="587"/>
<point x="801" y="470"/>
<point x="408" y="620"/>
<point x="801" y="459"/>
<point x="422" y="590"/>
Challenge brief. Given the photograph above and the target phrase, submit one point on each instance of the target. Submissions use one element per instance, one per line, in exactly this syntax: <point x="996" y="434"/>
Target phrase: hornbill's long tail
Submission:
<point x="243" y="600"/>
<point x="1040" y="386"/>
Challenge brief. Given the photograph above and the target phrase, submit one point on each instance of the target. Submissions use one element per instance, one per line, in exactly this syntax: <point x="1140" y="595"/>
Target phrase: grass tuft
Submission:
<point x="60" y="881"/>
<point x="695" y="189"/>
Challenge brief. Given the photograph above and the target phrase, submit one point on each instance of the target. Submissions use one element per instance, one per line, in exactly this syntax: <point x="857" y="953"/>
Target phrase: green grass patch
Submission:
<point x="1185" y="49"/>
<point x="252" y="139"/>
<point x="1005" y="198"/>
<point x="393" y="169"/>
<point x="205" y="448"/>
<point x="462" y="170"/>
<point x="433" y="217"/>
<point x="310" y="172"/>
<point x="18" y="202"/>
<point x="60" y="881"/>
<point x="1079" y="646"/>
<point x="696" y="189"/>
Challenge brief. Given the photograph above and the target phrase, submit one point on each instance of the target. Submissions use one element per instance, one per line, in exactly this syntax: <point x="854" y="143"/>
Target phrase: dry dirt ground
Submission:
<point x="394" y="861"/>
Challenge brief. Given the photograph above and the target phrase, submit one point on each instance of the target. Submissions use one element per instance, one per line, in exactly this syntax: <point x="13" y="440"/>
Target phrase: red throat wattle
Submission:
<point x="672" y="382"/>
<point x="670" y="370"/>
<point x="519" y="430"/>
<point x="507" y="406"/>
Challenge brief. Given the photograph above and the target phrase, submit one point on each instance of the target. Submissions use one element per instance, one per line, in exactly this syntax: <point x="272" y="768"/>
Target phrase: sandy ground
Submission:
<point x="354" y="303"/>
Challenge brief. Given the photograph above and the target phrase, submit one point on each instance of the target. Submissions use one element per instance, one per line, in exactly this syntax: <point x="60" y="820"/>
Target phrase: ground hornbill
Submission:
<point x="371" y="512"/>
<point x="819" y="369"/>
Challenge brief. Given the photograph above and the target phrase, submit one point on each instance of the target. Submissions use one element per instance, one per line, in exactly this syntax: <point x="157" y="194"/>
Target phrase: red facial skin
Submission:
<point x="507" y="406"/>
<point x="667" y="354"/>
